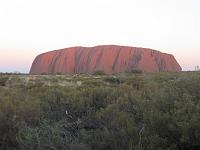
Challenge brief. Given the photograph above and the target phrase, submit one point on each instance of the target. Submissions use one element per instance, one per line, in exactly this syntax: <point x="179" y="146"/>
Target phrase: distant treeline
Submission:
<point x="12" y="73"/>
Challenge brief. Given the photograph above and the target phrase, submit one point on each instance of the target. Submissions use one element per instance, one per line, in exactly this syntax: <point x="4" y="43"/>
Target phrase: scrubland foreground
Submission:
<point x="93" y="112"/>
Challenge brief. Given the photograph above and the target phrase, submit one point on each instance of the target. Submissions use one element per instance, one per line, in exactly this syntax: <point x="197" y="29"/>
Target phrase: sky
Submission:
<point x="31" y="27"/>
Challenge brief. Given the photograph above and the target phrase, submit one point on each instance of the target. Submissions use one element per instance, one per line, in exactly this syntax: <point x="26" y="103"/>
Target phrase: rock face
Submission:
<point x="109" y="58"/>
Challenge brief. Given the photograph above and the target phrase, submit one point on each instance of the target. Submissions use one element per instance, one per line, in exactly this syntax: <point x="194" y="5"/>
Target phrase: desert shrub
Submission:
<point x="3" y="80"/>
<point x="8" y="129"/>
<point x="113" y="80"/>
<point x="46" y="136"/>
<point x="143" y="113"/>
<point x="165" y="77"/>
<point x="13" y="111"/>
<point x="93" y="83"/>
<point x="43" y="73"/>
<point x="134" y="71"/>
<point x="99" y="72"/>
<point x="59" y="73"/>
<point x="136" y="82"/>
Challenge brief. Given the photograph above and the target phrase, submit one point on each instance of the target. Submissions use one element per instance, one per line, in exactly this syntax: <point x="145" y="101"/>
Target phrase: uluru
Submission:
<point x="108" y="58"/>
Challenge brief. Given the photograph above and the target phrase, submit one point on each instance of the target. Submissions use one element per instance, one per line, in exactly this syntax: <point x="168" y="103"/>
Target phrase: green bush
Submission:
<point x="144" y="112"/>
<point x="113" y="80"/>
<point x="99" y="72"/>
<point x="134" y="71"/>
<point x="3" y="80"/>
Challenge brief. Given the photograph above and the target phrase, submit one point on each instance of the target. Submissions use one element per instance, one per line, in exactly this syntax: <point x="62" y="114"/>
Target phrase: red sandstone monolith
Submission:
<point x="108" y="58"/>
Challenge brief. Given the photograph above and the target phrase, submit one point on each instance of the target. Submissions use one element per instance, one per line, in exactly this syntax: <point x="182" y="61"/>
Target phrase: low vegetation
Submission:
<point x="99" y="72"/>
<point x="92" y="112"/>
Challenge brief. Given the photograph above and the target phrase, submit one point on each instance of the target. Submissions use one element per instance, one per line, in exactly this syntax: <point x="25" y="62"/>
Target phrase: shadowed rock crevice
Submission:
<point x="108" y="58"/>
<point x="98" y="59"/>
<point x="136" y="59"/>
<point x="116" y="59"/>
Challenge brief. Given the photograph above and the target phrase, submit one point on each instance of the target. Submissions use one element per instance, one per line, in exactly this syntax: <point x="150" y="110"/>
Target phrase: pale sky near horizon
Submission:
<point x="31" y="27"/>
